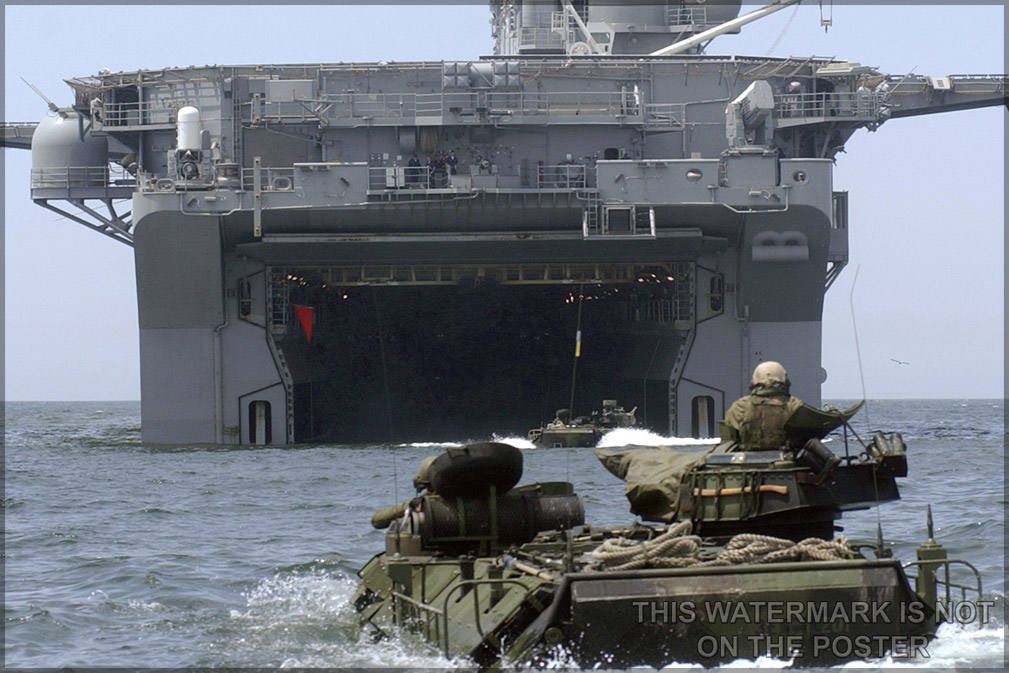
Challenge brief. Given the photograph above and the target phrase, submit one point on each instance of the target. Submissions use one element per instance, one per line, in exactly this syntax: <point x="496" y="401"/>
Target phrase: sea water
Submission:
<point x="123" y="554"/>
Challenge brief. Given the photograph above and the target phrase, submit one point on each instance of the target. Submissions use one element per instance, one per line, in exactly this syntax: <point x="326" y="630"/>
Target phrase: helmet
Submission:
<point x="769" y="374"/>
<point x="422" y="480"/>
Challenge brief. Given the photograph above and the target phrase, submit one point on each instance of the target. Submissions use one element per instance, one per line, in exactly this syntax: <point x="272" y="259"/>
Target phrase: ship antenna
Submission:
<point x="52" y="105"/>
<point x="574" y="373"/>
<point x="858" y="351"/>
<point x="578" y="348"/>
<point x="881" y="551"/>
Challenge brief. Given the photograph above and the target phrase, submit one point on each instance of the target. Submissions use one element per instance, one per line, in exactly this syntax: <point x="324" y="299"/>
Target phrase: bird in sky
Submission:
<point x="899" y="362"/>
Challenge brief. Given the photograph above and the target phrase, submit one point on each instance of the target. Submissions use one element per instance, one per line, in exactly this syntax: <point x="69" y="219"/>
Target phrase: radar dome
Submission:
<point x="57" y="145"/>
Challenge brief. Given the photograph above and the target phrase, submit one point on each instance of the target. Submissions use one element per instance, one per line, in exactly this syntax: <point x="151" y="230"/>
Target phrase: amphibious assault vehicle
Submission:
<point x="742" y="562"/>
<point x="582" y="430"/>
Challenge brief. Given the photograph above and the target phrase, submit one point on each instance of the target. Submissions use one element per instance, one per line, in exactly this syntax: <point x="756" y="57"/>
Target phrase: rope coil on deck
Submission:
<point x="676" y="548"/>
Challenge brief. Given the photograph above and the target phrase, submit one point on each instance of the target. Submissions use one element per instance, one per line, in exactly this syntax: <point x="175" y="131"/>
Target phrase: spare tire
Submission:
<point x="470" y="470"/>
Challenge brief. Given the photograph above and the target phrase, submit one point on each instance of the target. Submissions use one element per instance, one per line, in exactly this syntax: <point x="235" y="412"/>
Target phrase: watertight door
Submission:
<point x="259" y="422"/>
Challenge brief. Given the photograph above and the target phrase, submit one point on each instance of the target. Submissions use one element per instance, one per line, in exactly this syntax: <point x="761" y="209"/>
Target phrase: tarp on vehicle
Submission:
<point x="652" y="478"/>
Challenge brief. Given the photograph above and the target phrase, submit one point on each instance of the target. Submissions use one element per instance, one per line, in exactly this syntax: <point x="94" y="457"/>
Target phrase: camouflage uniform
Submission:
<point x="757" y="422"/>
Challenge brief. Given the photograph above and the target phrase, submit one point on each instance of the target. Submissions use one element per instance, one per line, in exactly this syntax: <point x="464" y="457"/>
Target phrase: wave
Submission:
<point x="641" y="437"/>
<point x="517" y="442"/>
<point x="305" y="618"/>
<point x="429" y="445"/>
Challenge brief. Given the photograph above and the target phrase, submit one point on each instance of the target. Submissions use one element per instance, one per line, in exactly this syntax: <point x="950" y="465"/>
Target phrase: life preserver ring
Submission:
<point x="469" y="470"/>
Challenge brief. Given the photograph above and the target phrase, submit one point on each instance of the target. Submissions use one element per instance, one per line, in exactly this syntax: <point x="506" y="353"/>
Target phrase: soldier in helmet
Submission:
<point x="421" y="482"/>
<point x="757" y="422"/>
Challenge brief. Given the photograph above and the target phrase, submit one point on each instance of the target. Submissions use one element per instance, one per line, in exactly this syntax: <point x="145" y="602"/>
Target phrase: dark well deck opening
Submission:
<point x="463" y="360"/>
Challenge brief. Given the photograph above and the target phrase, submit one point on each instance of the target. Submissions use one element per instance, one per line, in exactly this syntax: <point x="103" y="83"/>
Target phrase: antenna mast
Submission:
<point x="52" y="105"/>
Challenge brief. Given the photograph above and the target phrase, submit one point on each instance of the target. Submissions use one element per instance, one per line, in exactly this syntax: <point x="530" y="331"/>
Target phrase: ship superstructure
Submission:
<point x="395" y="250"/>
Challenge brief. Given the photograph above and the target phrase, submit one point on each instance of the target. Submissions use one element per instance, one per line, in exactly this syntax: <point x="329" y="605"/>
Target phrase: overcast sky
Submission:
<point x="926" y="194"/>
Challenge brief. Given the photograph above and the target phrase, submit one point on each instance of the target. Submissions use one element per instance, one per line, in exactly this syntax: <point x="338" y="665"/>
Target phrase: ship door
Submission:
<point x="702" y="416"/>
<point x="260" y="431"/>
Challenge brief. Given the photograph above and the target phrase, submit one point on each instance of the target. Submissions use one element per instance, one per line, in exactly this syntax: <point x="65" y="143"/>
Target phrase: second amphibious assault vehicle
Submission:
<point x="582" y="430"/>
<point x="740" y="564"/>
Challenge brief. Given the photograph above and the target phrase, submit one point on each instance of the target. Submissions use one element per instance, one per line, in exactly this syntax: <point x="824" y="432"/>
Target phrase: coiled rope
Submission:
<point x="677" y="548"/>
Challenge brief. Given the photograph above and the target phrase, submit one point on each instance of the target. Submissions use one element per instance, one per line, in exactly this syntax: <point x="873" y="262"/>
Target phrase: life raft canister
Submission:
<point x="470" y="470"/>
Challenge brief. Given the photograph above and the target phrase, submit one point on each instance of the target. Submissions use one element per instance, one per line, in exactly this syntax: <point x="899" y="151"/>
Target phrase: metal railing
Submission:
<point x="846" y="104"/>
<point x="406" y="177"/>
<point x="541" y="37"/>
<point x="463" y="103"/>
<point x="19" y="129"/>
<point x="68" y="177"/>
<point x="946" y="583"/>
<point x="686" y="16"/>
<point x="273" y="179"/>
<point x="659" y="299"/>
<point x="140" y="113"/>
<point x="561" y="176"/>
<point x="665" y="115"/>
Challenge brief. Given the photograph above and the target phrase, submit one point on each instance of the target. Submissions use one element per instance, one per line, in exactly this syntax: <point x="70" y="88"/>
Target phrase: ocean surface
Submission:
<point x="121" y="554"/>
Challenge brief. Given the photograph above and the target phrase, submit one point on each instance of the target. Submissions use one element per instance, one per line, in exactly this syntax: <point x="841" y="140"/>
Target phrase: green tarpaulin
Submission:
<point x="652" y="478"/>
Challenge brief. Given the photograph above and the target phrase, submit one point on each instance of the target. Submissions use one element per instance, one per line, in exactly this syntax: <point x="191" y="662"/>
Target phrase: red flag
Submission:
<point x="306" y="315"/>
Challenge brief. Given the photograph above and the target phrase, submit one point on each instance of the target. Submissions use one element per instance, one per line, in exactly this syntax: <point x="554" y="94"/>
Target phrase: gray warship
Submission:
<point x="374" y="250"/>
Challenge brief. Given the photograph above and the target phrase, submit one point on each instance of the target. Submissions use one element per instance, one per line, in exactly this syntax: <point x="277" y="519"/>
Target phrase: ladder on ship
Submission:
<point x="590" y="216"/>
<point x="684" y="350"/>
<point x="277" y="309"/>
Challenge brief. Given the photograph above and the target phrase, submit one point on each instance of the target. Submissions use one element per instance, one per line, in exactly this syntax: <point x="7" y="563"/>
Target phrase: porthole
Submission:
<point x="694" y="175"/>
<point x="800" y="177"/>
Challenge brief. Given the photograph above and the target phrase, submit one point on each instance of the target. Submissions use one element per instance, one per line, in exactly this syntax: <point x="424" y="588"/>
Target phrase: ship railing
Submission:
<point x="371" y="105"/>
<point x="140" y="113"/>
<point x="461" y="104"/>
<point x="562" y="176"/>
<point x="19" y="129"/>
<point x="605" y="103"/>
<point x="8" y="125"/>
<point x="272" y="179"/>
<point x="665" y="115"/>
<point x="540" y="37"/>
<point x="982" y="83"/>
<point x="686" y="16"/>
<point x="341" y="106"/>
<point x="70" y="177"/>
<point x="660" y="309"/>
<point x="845" y="104"/>
<point x="564" y="26"/>
<point x="571" y="176"/>
<point x="406" y="177"/>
